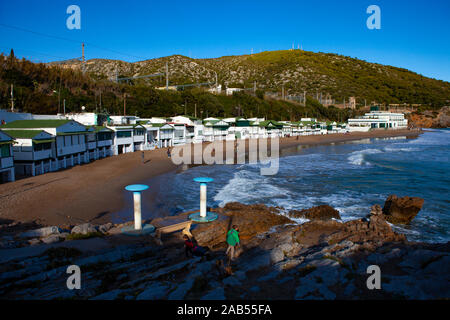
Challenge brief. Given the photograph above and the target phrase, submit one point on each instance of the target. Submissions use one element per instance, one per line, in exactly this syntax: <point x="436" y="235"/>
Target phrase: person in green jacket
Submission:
<point x="233" y="242"/>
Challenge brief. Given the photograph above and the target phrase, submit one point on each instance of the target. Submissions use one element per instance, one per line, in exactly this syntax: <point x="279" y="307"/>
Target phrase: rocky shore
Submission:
<point x="320" y="259"/>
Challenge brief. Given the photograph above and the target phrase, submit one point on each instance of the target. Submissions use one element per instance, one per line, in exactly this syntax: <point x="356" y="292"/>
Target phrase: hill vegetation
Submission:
<point x="42" y="88"/>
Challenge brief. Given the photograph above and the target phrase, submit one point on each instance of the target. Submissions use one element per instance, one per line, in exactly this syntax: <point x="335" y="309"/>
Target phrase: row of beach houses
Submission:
<point x="32" y="145"/>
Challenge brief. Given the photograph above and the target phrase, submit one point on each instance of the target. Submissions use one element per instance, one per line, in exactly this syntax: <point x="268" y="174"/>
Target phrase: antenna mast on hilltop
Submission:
<point x="167" y="76"/>
<point x="82" y="58"/>
<point x="12" y="97"/>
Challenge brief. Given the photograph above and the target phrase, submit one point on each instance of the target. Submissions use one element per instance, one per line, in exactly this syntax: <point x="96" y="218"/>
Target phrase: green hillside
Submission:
<point x="42" y="88"/>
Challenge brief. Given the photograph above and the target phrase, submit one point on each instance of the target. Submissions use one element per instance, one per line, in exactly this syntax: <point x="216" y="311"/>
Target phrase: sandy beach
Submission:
<point x="94" y="191"/>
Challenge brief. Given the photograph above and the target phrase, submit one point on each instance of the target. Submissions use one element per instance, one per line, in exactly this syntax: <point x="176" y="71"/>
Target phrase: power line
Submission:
<point x="32" y="51"/>
<point x="69" y="40"/>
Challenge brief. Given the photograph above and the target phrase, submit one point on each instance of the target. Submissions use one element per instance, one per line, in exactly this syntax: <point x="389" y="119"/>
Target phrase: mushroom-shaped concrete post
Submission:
<point x="203" y="181"/>
<point x="137" y="189"/>
<point x="203" y="215"/>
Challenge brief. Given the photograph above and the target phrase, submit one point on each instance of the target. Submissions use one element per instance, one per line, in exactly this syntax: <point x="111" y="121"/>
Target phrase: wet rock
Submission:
<point x="64" y="235"/>
<point x="251" y="219"/>
<point x="180" y="292"/>
<point x="231" y="281"/>
<point x="216" y="294"/>
<point x="34" y="241"/>
<point x="154" y="291"/>
<point x="322" y="212"/>
<point x="420" y="258"/>
<point x="42" y="232"/>
<point x="401" y="210"/>
<point x="104" y="228"/>
<point x="276" y="255"/>
<point x="83" y="229"/>
<point x="110" y="295"/>
<point x="51" y="239"/>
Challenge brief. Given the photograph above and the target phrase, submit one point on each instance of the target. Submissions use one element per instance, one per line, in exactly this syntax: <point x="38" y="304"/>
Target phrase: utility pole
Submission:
<point x="12" y="97"/>
<point x="59" y="92"/>
<point x="254" y="87"/>
<point x="82" y="57"/>
<point x="64" y="103"/>
<point x="124" y="104"/>
<point x="167" y="76"/>
<point x="195" y="111"/>
<point x="304" y="98"/>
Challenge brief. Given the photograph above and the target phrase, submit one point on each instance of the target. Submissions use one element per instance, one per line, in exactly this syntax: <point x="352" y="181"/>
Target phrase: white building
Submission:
<point x="7" y="173"/>
<point x="123" y="139"/>
<point x="34" y="152"/>
<point x="217" y="130"/>
<point x="70" y="144"/>
<point x="99" y="142"/>
<point x="159" y="135"/>
<point x="230" y="91"/>
<point x="88" y="118"/>
<point x="378" y="120"/>
<point x="122" y="120"/>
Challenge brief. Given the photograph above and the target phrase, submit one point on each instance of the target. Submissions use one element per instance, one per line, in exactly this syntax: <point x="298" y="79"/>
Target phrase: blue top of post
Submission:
<point x="136" y="187"/>
<point x="203" y="179"/>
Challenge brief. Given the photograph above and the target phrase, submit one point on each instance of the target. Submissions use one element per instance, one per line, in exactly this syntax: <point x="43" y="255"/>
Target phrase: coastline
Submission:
<point x="94" y="191"/>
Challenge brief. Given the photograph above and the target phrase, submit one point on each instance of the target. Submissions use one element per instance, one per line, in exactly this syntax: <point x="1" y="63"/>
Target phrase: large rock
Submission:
<point x="42" y="232"/>
<point x="84" y="229"/>
<point x="322" y="212"/>
<point x="401" y="210"/>
<point x="251" y="219"/>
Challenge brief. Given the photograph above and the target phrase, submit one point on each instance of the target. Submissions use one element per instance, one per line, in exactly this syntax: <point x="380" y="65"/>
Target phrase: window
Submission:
<point x="102" y="136"/>
<point x="42" y="146"/>
<point x="123" y="134"/>
<point x="4" y="151"/>
<point x="139" y="132"/>
<point x="75" y="140"/>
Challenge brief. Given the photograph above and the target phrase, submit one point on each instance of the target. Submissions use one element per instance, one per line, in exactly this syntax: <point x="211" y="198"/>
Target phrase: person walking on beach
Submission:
<point x="233" y="242"/>
<point x="168" y="152"/>
<point x="143" y="157"/>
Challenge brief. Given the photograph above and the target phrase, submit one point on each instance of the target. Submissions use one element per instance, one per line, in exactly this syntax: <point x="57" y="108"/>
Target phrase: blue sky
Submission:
<point x="413" y="35"/>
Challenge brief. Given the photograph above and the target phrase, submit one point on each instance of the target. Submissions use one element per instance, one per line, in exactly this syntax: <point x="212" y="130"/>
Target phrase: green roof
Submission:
<point x="267" y="123"/>
<point x="98" y="128"/>
<point x="157" y="125"/>
<point x="23" y="134"/>
<point x="35" y="124"/>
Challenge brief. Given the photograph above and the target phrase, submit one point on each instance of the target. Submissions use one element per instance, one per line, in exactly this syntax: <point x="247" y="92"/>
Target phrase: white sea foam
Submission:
<point x="357" y="158"/>
<point x="397" y="149"/>
<point x="246" y="187"/>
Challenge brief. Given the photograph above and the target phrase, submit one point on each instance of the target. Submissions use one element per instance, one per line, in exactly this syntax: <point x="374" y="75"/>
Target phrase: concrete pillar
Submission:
<point x="42" y="167"/>
<point x="12" y="177"/>
<point x="33" y="170"/>
<point x="137" y="211"/>
<point x="65" y="162"/>
<point x="79" y="158"/>
<point x="203" y="200"/>
<point x="71" y="160"/>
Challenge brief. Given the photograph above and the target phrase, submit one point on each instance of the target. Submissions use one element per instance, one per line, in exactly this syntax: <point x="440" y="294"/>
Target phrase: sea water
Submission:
<point x="350" y="177"/>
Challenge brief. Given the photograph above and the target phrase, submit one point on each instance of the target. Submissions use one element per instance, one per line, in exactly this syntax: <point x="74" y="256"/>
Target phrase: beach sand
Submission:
<point x="93" y="192"/>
